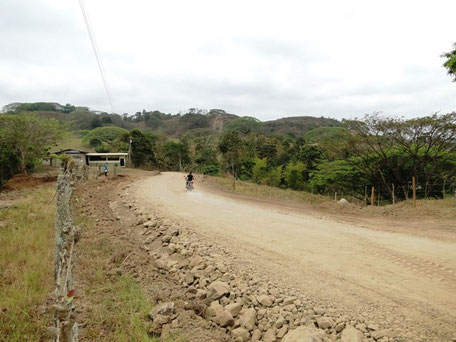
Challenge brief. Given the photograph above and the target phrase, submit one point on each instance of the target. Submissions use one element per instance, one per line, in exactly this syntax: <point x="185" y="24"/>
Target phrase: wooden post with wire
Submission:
<point x="372" y="195"/>
<point x="414" y="191"/>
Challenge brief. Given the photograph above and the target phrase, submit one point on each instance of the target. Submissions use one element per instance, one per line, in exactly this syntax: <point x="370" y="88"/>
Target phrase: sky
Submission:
<point x="261" y="58"/>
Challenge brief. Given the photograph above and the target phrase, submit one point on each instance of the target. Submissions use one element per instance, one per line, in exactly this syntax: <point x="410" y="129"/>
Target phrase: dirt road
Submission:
<point x="398" y="281"/>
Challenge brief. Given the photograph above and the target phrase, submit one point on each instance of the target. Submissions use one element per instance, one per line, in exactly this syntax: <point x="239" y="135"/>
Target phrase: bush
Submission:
<point x="211" y="170"/>
<point x="104" y="134"/>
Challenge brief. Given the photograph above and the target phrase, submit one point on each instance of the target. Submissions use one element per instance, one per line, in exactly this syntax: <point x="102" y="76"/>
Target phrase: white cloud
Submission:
<point x="263" y="58"/>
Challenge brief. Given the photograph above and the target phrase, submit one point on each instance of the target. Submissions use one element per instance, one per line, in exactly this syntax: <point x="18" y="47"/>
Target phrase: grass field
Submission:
<point x="26" y="266"/>
<point x="72" y="140"/>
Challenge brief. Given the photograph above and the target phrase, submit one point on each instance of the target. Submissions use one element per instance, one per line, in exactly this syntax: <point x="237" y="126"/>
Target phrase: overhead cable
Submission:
<point x="93" y="40"/>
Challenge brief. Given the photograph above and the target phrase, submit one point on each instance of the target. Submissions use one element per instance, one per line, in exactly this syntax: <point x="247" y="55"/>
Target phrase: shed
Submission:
<point x="118" y="158"/>
<point x="78" y="156"/>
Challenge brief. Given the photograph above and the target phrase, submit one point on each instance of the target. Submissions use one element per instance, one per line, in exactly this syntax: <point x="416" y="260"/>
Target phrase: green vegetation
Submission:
<point x="302" y="153"/>
<point x="106" y="139"/>
<point x="26" y="266"/>
<point x="450" y="63"/>
<point x="24" y="140"/>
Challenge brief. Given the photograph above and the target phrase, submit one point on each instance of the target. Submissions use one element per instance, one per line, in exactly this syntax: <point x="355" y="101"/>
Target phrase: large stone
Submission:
<point x="350" y="334"/>
<point x="234" y="308"/>
<point x="149" y="224"/>
<point x="280" y="322"/>
<point x="381" y="333"/>
<point x="282" y="331"/>
<point x="256" y="335"/>
<point x="217" y="290"/>
<point x="214" y="309"/>
<point x="305" y="334"/>
<point x="325" y="322"/>
<point x="224" y="319"/>
<point x="264" y="300"/>
<point x="164" y="309"/>
<point x="240" y="334"/>
<point x="248" y="319"/>
<point x="269" y="336"/>
<point x="289" y="300"/>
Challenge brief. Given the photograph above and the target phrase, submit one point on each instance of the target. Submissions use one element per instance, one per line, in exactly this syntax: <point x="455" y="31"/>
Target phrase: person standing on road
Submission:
<point x="106" y="168"/>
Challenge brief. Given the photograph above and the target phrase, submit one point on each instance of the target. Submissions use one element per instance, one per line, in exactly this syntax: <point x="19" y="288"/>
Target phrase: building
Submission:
<point x="82" y="158"/>
<point x="119" y="159"/>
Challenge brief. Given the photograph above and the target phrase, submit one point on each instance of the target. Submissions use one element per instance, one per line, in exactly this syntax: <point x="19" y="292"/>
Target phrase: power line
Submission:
<point x="93" y="40"/>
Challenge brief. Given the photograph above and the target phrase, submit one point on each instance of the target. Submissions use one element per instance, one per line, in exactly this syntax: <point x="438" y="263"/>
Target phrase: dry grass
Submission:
<point x="115" y="307"/>
<point x="26" y="266"/>
<point x="265" y="191"/>
<point x="430" y="208"/>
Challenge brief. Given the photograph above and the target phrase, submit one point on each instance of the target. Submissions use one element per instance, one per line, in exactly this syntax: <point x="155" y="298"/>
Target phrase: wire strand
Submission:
<point x="93" y="41"/>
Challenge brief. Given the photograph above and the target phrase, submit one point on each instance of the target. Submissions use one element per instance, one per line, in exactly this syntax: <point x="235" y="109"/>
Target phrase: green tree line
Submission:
<point x="381" y="151"/>
<point x="384" y="152"/>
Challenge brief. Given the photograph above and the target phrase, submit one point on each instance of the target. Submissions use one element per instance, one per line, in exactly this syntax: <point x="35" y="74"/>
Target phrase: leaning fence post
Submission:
<point x="65" y="325"/>
<point x="372" y="195"/>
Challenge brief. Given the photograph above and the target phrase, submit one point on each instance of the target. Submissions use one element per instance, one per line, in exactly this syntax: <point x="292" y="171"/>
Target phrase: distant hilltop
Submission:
<point x="193" y="121"/>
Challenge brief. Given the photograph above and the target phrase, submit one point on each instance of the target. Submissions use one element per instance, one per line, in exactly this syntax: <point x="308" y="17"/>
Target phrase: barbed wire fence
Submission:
<point x="380" y="194"/>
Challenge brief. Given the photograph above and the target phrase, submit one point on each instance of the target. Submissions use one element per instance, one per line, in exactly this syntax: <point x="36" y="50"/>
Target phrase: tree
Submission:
<point x="450" y="63"/>
<point x="177" y="155"/>
<point x="9" y="161"/>
<point x="96" y="122"/>
<point x="393" y="150"/>
<point x="244" y="125"/>
<point x="107" y="134"/>
<point x="142" y="148"/>
<point x="294" y="175"/>
<point x="231" y="146"/>
<point x="338" y="175"/>
<point x="29" y="136"/>
<point x="263" y="173"/>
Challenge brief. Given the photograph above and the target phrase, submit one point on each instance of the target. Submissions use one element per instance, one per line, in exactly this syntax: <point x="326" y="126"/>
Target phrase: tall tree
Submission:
<point x="450" y="62"/>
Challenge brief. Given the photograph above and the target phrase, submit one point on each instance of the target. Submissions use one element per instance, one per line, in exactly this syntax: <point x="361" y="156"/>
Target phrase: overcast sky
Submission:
<point x="267" y="59"/>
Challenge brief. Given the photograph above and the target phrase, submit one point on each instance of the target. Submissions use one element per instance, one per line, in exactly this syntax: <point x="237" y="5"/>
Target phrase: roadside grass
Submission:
<point x="26" y="265"/>
<point x="437" y="208"/>
<point x="265" y="191"/>
<point x="116" y="308"/>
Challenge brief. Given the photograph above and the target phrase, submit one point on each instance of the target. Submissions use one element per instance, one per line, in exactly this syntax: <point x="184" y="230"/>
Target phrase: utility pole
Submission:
<point x="129" y="153"/>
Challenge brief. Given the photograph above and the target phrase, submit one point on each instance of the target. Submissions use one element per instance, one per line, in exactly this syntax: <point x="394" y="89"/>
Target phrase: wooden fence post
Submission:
<point x="66" y="235"/>
<point x="372" y="195"/>
<point x="414" y="191"/>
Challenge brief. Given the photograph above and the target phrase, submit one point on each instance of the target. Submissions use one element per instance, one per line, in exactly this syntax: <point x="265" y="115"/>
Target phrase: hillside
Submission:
<point x="298" y="125"/>
<point x="194" y="122"/>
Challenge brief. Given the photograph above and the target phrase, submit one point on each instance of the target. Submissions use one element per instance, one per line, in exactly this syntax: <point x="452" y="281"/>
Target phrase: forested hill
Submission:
<point x="192" y="122"/>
